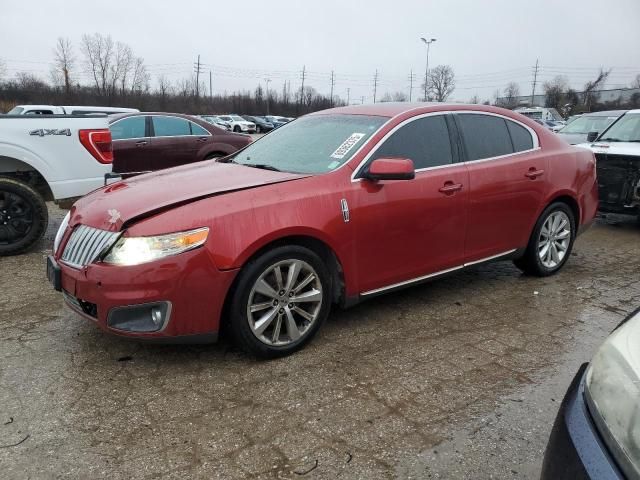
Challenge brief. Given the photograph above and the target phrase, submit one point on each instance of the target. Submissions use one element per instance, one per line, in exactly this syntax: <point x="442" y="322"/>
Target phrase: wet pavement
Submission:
<point x="459" y="378"/>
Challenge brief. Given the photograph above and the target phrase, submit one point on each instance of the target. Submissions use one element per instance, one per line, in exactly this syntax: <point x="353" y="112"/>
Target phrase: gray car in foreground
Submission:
<point x="577" y="131"/>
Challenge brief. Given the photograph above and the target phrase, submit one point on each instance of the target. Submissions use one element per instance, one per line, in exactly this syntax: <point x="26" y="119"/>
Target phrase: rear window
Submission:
<point x="520" y="136"/>
<point x="170" y="127"/>
<point x="484" y="136"/>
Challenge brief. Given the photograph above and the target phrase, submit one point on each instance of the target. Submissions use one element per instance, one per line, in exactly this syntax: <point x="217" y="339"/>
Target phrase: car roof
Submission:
<point x="606" y="113"/>
<point x="392" y="109"/>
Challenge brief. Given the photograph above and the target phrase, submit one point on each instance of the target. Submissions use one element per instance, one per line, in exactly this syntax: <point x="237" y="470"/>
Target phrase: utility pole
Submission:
<point x="348" y="95"/>
<point x="198" y="70"/>
<point x="267" y="80"/>
<point x="304" y="71"/>
<point x="362" y="99"/>
<point x="333" y="83"/>
<point x="426" y="72"/>
<point x="375" y="86"/>
<point x="412" y="77"/>
<point x="210" y="85"/>
<point x="535" y="79"/>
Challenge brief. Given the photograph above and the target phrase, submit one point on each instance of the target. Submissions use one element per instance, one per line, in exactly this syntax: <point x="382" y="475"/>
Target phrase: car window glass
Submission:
<point x="425" y="141"/>
<point x="132" y="127"/>
<point x="197" y="129"/>
<point x="170" y="126"/>
<point x="484" y="136"/>
<point x="520" y="136"/>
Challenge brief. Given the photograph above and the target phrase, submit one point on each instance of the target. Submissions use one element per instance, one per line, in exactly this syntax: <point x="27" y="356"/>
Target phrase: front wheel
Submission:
<point x="237" y="129"/>
<point x="280" y="301"/>
<point x="23" y="217"/>
<point x="551" y="241"/>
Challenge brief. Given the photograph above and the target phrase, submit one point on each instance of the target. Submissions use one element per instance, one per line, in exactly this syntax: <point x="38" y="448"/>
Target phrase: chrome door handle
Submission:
<point x="141" y="143"/>
<point x="533" y="173"/>
<point x="450" y="187"/>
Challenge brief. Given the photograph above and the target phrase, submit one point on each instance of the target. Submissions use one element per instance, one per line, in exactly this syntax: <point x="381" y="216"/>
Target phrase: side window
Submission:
<point x="484" y="136"/>
<point x="197" y="130"/>
<point x="520" y="136"/>
<point x="170" y="126"/>
<point x="132" y="127"/>
<point x="425" y="141"/>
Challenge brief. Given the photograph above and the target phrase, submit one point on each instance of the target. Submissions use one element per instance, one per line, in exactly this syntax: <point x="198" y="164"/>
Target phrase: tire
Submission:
<point x="540" y="261"/>
<point x="213" y="155"/>
<point x="23" y="217"/>
<point x="237" y="129"/>
<point x="265" y="331"/>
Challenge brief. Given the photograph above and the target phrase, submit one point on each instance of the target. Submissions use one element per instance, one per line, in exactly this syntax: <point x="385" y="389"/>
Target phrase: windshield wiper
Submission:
<point x="609" y="140"/>
<point x="263" y="166"/>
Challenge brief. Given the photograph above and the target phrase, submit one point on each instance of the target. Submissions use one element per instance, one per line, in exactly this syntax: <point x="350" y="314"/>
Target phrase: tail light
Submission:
<point x="98" y="144"/>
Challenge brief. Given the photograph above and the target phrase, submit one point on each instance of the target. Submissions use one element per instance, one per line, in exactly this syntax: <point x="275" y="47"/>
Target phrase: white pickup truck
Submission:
<point x="67" y="110"/>
<point x="44" y="158"/>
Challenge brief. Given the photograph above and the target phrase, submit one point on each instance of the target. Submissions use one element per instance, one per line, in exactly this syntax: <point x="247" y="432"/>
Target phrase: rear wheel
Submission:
<point x="213" y="155"/>
<point x="23" y="217"/>
<point x="280" y="301"/>
<point x="550" y="243"/>
<point x="237" y="129"/>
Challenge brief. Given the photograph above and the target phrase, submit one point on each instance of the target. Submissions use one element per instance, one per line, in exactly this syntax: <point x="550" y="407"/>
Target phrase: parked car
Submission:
<point x="577" y="130"/>
<point x="238" y="124"/>
<point x="550" y="124"/>
<point x="144" y="142"/>
<point x="596" y="434"/>
<point x="276" y="121"/>
<point x="262" y="124"/>
<point x="617" y="152"/>
<point x="44" y="159"/>
<point x="67" y="110"/>
<point x="540" y="113"/>
<point x="337" y="207"/>
<point x="215" y="120"/>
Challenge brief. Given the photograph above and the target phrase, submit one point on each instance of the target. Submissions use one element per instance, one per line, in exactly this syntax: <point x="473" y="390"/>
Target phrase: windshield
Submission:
<point x="588" y="123"/>
<point x="15" y="111"/>
<point x="237" y="118"/>
<point x="313" y="144"/>
<point x="627" y="129"/>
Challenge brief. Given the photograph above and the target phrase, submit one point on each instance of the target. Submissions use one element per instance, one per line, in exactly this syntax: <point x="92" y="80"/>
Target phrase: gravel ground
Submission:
<point x="459" y="378"/>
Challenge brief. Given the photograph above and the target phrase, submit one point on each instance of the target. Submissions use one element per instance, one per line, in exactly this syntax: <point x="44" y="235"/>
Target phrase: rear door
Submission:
<point x="406" y="229"/>
<point x="131" y="144"/>
<point x="507" y="181"/>
<point x="171" y="142"/>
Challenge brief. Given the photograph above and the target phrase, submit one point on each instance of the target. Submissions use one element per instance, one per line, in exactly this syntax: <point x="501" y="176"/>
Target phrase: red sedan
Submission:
<point x="333" y="208"/>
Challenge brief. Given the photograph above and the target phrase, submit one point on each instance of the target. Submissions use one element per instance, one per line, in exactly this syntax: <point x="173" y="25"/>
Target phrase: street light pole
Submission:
<point x="426" y="72"/>
<point x="267" y="80"/>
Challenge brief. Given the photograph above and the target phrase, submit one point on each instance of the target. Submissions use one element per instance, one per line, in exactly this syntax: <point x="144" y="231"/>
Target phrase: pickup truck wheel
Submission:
<point x="23" y="217"/>
<point x="280" y="301"/>
<point x="550" y="243"/>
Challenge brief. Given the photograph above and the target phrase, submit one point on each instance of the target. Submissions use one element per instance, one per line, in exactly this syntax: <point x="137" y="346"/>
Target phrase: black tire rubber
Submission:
<point x="237" y="129"/>
<point x="530" y="262"/>
<point x="237" y="308"/>
<point x="213" y="155"/>
<point x="40" y="216"/>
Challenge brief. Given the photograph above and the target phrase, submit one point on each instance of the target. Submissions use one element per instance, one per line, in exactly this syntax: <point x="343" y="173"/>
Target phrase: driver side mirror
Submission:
<point x="391" y="169"/>
<point x="591" y="136"/>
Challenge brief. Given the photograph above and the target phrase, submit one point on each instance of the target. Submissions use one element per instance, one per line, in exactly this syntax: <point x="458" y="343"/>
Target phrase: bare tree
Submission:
<point x="400" y="97"/>
<point x="139" y="76"/>
<point x="99" y="51"/>
<point x="3" y="69"/>
<point x="62" y="71"/>
<point x="475" y="99"/>
<point x="511" y="94"/>
<point x="124" y="63"/>
<point x="554" y="91"/>
<point x="634" y="84"/>
<point x="588" y="93"/>
<point x="442" y="82"/>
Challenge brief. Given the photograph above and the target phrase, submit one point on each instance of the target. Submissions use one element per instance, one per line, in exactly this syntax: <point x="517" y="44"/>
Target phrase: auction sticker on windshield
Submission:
<point x="347" y="145"/>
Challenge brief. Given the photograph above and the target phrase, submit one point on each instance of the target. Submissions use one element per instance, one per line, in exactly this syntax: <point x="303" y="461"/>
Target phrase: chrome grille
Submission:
<point x="85" y="244"/>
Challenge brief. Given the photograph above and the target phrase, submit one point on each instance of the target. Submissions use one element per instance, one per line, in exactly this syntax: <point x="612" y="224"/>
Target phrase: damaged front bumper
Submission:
<point x="618" y="183"/>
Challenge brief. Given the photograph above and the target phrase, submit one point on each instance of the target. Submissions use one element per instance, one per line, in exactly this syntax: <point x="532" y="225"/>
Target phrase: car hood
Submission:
<point x="573" y="138"/>
<point x="613" y="148"/>
<point x="116" y="206"/>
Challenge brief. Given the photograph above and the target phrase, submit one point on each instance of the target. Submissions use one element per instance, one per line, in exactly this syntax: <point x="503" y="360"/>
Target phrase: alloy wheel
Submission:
<point x="555" y="239"/>
<point x="285" y="302"/>
<point x="16" y="217"/>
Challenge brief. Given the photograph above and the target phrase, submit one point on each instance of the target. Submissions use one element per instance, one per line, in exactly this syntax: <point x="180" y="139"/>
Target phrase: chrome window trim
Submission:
<point x="436" y="274"/>
<point x="534" y="137"/>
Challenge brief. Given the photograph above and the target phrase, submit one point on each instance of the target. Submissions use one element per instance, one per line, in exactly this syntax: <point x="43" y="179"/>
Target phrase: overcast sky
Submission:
<point x="487" y="43"/>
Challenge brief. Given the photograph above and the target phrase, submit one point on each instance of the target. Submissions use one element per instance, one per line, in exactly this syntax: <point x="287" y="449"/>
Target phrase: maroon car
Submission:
<point x="149" y="141"/>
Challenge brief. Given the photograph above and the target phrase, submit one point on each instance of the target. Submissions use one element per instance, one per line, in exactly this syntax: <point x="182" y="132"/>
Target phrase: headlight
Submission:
<point x="60" y="233"/>
<point x="137" y="250"/>
<point x="613" y="394"/>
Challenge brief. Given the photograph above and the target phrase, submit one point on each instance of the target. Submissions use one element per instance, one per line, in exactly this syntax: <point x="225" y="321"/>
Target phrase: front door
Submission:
<point x="131" y="144"/>
<point x="408" y="229"/>
<point x="172" y="143"/>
